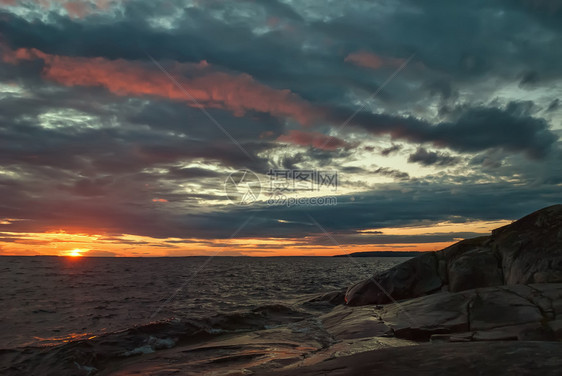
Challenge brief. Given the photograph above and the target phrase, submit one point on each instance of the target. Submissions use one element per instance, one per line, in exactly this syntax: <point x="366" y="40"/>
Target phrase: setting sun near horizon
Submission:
<point x="75" y="253"/>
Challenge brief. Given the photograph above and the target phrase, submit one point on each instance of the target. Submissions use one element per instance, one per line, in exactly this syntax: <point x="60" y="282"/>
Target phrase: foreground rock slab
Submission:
<point x="474" y="358"/>
<point x="517" y="312"/>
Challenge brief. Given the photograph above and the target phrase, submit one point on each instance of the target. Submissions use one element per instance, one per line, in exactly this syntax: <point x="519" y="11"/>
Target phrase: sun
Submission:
<point x="75" y="253"/>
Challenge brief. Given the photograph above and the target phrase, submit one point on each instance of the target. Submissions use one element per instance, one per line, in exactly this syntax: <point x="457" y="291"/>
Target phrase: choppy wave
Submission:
<point x="76" y="317"/>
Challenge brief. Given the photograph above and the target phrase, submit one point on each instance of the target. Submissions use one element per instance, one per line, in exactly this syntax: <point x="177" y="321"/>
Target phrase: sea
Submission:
<point x="47" y="302"/>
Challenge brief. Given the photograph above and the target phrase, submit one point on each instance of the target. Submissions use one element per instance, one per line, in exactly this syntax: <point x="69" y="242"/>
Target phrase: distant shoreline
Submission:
<point x="382" y="254"/>
<point x="355" y="254"/>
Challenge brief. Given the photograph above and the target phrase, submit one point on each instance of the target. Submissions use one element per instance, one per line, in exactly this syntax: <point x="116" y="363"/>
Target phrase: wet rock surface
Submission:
<point x="415" y="277"/>
<point x="503" y="312"/>
<point x="475" y="358"/>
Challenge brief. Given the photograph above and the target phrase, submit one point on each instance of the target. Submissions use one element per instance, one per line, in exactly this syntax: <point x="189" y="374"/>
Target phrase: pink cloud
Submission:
<point x="238" y="93"/>
<point x="314" y="139"/>
<point x="77" y="9"/>
<point x="372" y="61"/>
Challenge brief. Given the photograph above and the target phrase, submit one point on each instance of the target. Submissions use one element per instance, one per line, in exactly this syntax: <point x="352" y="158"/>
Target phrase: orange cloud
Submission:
<point x="238" y="93"/>
<point x="77" y="9"/>
<point x="372" y="61"/>
<point x="315" y="139"/>
<point x="94" y="243"/>
<point x="61" y="243"/>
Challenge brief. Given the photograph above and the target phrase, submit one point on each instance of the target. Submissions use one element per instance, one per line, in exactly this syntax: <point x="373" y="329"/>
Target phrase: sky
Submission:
<point x="126" y="126"/>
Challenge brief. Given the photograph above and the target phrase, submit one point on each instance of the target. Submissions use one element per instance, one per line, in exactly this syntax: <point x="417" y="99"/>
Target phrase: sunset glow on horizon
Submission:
<point x="61" y="243"/>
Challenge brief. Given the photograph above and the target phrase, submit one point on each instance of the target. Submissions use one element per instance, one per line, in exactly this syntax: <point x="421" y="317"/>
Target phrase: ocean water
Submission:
<point x="48" y="301"/>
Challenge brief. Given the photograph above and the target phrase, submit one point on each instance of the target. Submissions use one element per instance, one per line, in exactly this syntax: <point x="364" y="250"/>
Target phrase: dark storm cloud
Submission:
<point x="90" y="187"/>
<point x="476" y="129"/>
<point x="272" y="57"/>
<point x="442" y="88"/>
<point x="546" y="12"/>
<point x="291" y="162"/>
<point x="385" y="171"/>
<point x="127" y="148"/>
<point x="521" y="108"/>
<point x="429" y="158"/>
<point x="81" y="177"/>
<point x="409" y="204"/>
<point x="487" y="160"/>
<point x="529" y="79"/>
<point x="163" y="115"/>
<point x="554" y="105"/>
<point x="114" y="151"/>
<point x="390" y="150"/>
<point x="352" y="170"/>
<point x="290" y="159"/>
<point x="474" y="36"/>
<point x="406" y="204"/>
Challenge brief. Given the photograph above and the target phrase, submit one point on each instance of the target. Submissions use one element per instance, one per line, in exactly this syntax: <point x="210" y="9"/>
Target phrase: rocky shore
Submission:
<point x="485" y="306"/>
<point x="490" y="305"/>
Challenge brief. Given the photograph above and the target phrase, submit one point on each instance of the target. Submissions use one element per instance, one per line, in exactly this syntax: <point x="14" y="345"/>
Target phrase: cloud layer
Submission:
<point x="117" y="118"/>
